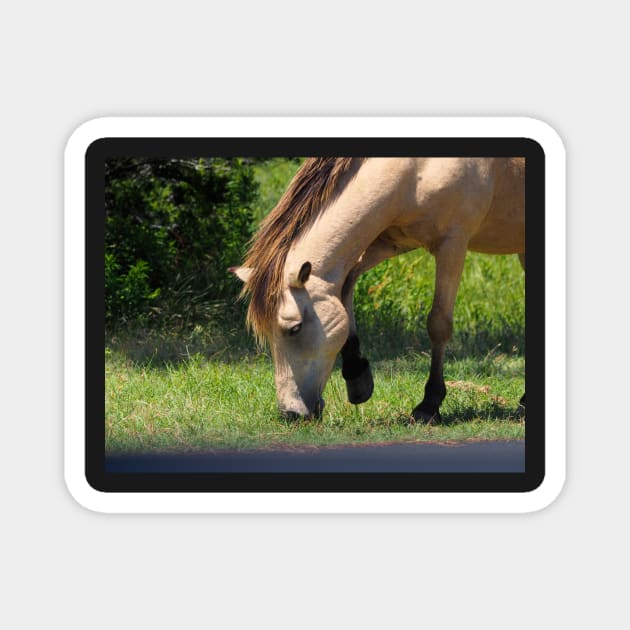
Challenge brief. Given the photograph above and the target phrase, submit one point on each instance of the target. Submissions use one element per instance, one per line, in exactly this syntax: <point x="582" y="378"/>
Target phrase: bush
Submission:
<point x="173" y="227"/>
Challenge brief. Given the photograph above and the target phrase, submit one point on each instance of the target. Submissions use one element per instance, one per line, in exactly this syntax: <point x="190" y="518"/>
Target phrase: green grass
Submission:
<point x="207" y="387"/>
<point x="394" y="299"/>
<point x="201" y="404"/>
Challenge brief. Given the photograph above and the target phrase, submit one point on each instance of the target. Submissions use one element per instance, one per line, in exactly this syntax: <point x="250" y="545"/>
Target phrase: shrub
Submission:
<point x="173" y="227"/>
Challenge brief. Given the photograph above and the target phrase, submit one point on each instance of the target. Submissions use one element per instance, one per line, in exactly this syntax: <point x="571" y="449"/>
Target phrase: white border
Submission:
<point x="74" y="300"/>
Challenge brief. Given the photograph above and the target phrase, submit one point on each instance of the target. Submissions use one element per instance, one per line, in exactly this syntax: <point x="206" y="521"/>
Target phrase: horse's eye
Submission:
<point x="295" y="330"/>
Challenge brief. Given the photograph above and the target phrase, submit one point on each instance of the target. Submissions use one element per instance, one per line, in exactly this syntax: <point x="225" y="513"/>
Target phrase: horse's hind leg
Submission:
<point x="449" y="263"/>
<point x="521" y="257"/>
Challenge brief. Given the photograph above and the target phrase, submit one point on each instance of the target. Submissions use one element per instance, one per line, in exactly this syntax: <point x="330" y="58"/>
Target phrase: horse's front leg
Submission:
<point x="449" y="263"/>
<point x="355" y="368"/>
<point x="356" y="371"/>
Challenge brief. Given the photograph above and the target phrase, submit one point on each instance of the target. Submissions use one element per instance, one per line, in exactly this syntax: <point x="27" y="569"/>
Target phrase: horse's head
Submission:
<point x="308" y="331"/>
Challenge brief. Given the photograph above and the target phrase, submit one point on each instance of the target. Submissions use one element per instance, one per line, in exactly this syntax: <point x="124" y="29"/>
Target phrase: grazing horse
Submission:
<point x="342" y="216"/>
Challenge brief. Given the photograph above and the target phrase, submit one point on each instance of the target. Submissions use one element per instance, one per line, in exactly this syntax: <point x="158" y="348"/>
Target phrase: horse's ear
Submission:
<point x="298" y="280"/>
<point x="242" y="273"/>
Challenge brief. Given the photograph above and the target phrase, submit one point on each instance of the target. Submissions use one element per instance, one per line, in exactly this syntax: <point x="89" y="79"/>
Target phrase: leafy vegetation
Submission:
<point x="173" y="227"/>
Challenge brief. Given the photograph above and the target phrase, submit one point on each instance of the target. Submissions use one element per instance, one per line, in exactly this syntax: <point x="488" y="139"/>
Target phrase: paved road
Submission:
<point x="460" y="457"/>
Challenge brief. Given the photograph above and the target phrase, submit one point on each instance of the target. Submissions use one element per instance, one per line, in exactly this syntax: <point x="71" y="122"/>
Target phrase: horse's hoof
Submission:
<point x="426" y="417"/>
<point x="360" y="388"/>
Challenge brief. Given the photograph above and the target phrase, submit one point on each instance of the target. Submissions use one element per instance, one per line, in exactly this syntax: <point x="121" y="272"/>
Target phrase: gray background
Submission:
<point x="66" y="62"/>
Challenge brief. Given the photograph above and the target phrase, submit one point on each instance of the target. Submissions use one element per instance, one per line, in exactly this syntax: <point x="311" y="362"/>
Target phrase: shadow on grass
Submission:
<point x="167" y="342"/>
<point x="382" y="340"/>
<point x="226" y="339"/>
<point x="494" y="412"/>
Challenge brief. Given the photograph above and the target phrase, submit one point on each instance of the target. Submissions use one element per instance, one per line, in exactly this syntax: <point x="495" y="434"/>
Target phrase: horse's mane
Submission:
<point x="315" y="184"/>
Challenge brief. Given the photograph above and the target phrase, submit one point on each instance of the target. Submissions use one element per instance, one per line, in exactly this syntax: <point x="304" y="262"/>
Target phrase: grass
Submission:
<point x="272" y="178"/>
<point x="207" y="387"/>
<point x="202" y="404"/>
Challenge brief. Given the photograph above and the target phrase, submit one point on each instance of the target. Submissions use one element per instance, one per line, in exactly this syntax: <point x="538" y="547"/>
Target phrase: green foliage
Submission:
<point x="126" y="293"/>
<point x="173" y="227"/>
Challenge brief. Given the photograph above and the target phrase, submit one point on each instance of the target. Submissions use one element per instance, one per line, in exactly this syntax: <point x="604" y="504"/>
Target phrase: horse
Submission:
<point x="340" y="217"/>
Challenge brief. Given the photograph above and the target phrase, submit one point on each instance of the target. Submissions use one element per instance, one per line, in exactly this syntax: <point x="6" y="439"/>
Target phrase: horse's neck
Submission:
<point x="336" y="241"/>
<point x="351" y="223"/>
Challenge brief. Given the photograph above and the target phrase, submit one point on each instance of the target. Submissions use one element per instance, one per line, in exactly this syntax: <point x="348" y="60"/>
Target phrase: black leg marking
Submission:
<point x="520" y="410"/>
<point x="434" y="393"/>
<point x="356" y="371"/>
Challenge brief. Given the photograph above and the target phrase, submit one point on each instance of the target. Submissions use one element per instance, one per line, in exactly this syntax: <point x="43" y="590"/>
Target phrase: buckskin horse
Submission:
<point x="342" y="216"/>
